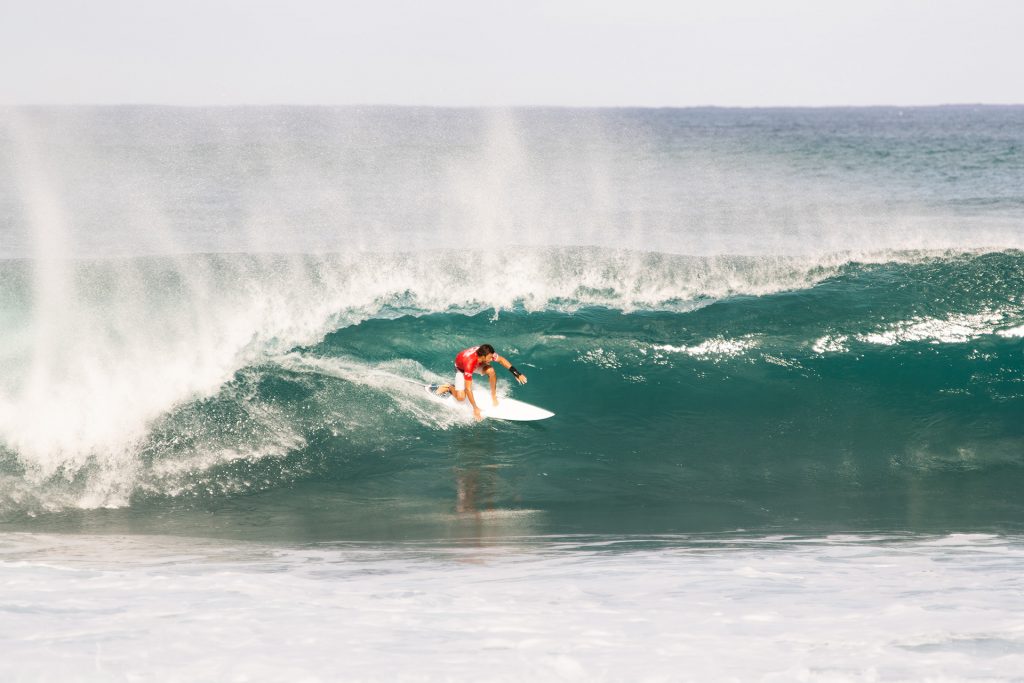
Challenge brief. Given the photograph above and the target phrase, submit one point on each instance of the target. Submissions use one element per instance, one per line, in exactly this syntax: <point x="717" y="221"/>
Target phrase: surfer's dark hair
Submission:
<point x="484" y="349"/>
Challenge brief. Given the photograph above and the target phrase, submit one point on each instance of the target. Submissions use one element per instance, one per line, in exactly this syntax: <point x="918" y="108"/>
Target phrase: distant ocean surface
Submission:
<point x="785" y="349"/>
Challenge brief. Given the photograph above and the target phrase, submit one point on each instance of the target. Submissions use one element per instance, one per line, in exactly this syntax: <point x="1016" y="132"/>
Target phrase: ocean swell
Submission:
<point x="220" y="375"/>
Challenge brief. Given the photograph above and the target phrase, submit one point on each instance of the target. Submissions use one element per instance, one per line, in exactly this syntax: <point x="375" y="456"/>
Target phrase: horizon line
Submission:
<point x="393" y="105"/>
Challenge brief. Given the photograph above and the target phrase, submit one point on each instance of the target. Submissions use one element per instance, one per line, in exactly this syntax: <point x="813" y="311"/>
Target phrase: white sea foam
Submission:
<point x="837" y="609"/>
<point x="717" y="346"/>
<point x="393" y="379"/>
<point x="602" y="358"/>
<point x="954" y="329"/>
<point x="833" y="343"/>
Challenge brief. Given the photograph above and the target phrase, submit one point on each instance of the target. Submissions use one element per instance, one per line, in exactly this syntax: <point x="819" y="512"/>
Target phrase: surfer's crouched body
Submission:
<point x="477" y="359"/>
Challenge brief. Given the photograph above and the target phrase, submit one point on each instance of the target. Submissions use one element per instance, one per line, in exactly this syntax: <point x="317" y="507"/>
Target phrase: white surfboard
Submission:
<point x="507" y="408"/>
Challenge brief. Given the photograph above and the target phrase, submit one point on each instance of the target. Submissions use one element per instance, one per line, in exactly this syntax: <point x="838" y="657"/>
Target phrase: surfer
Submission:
<point x="477" y="359"/>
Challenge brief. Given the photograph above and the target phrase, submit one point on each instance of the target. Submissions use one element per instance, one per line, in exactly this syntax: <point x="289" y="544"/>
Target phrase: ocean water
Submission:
<point x="785" y="349"/>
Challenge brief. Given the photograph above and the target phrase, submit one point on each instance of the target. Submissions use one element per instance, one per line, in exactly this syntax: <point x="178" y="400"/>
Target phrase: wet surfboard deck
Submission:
<point x="507" y="408"/>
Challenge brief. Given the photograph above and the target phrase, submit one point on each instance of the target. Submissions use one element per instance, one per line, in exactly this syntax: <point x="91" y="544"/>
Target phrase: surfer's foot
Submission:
<point x="443" y="389"/>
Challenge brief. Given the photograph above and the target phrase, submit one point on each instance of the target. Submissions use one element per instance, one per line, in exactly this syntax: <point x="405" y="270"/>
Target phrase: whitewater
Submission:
<point x="784" y="349"/>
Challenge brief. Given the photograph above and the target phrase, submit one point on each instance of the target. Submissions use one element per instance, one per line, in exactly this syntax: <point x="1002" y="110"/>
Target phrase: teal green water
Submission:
<point x="886" y="397"/>
<point x="771" y="320"/>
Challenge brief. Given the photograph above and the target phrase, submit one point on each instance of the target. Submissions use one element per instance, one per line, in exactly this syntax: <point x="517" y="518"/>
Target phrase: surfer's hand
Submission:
<point x="522" y="379"/>
<point x="477" y="414"/>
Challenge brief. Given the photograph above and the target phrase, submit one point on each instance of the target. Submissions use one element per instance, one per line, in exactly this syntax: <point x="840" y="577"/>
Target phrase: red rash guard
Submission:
<point x="467" y="361"/>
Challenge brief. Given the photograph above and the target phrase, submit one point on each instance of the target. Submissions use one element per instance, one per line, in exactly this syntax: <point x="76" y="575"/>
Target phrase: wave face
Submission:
<point x="884" y="394"/>
<point x="840" y="347"/>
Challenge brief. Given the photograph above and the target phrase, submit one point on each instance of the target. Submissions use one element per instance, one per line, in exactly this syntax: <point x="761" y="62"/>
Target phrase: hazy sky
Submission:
<point x="475" y="52"/>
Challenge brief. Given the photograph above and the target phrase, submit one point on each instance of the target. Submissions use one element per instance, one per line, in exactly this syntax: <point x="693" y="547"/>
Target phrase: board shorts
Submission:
<point x="460" y="376"/>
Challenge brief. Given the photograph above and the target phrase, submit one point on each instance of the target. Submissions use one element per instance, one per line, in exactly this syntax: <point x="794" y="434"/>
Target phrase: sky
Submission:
<point x="480" y="53"/>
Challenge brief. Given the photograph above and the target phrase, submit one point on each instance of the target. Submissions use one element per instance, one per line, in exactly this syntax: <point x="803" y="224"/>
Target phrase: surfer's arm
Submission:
<point x="472" y="399"/>
<point x="520" y="377"/>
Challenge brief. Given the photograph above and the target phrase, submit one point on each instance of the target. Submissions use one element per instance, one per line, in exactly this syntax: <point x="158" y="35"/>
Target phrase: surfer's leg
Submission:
<point x="458" y="389"/>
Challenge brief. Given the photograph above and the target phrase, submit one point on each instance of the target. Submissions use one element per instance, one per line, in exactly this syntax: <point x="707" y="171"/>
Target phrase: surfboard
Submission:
<point x="507" y="408"/>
